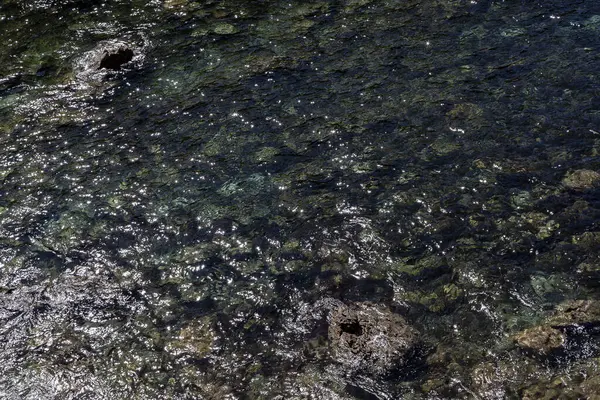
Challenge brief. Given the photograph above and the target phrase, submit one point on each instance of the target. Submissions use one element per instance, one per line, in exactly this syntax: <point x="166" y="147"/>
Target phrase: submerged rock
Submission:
<point x="554" y="389"/>
<point x="552" y="335"/>
<point x="591" y="387"/>
<point x="581" y="179"/>
<point x="579" y="381"/>
<point x="589" y="273"/>
<point x="550" y="286"/>
<point x="589" y="241"/>
<point x="370" y="338"/>
<point x="541" y="339"/>
<point x="196" y="339"/>
<point x="576" y="312"/>
<point x="488" y="380"/>
<point x="223" y="28"/>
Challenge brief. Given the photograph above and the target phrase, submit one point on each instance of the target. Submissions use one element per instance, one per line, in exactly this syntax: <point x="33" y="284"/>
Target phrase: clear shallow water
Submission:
<point x="178" y="228"/>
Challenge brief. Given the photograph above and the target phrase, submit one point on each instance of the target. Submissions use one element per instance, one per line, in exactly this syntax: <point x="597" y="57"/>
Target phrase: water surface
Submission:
<point x="175" y="229"/>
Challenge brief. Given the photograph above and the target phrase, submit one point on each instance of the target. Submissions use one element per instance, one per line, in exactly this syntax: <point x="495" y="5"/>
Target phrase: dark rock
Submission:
<point x="370" y="338"/>
<point x="10" y="84"/>
<point x="114" y="60"/>
<point x="111" y="55"/>
<point x="589" y="273"/>
<point x="42" y="71"/>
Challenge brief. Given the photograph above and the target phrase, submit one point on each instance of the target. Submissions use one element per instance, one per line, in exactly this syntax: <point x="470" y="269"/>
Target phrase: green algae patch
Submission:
<point x="224" y="28"/>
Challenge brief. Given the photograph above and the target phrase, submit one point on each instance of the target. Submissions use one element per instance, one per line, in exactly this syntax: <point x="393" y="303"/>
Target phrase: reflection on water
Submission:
<point x="188" y="224"/>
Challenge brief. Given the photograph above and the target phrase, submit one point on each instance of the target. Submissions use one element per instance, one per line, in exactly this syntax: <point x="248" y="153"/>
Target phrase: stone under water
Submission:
<point x="370" y="338"/>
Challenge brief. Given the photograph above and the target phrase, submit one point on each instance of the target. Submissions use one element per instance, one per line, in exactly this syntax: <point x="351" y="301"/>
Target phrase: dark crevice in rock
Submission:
<point x="352" y="327"/>
<point x="115" y="60"/>
<point x="369" y="338"/>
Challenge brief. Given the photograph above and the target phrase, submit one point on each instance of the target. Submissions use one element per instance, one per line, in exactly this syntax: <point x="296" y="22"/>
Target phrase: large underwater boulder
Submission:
<point x="370" y="338"/>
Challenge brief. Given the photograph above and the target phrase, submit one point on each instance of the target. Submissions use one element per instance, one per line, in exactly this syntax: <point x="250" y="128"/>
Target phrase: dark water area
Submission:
<point x="352" y="199"/>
